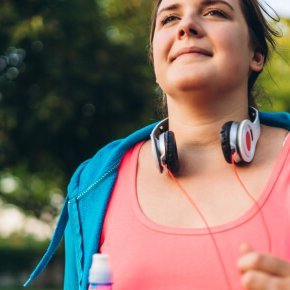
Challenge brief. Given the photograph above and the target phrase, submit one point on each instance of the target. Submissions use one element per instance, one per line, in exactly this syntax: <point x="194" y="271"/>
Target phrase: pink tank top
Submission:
<point x="148" y="256"/>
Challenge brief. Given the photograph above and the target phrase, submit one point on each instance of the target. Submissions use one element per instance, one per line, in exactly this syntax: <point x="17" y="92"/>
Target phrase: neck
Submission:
<point x="197" y="127"/>
<point x="199" y="124"/>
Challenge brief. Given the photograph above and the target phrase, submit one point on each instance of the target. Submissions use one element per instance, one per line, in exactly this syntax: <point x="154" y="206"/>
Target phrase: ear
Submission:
<point x="257" y="61"/>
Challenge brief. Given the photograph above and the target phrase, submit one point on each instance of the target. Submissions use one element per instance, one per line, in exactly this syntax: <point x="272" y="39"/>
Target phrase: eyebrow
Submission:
<point x="210" y="2"/>
<point x="204" y="3"/>
<point x="168" y="8"/>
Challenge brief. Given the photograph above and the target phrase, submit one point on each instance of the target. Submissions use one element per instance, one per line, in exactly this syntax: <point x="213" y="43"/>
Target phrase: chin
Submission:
<point x="187" y="82"/>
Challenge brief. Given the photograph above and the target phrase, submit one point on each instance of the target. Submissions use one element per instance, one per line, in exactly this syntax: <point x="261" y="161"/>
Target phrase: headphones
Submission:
<point x="237" y="138"/>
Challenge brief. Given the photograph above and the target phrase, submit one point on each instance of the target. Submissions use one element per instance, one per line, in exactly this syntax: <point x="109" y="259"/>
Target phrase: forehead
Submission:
<point x="165" y="3"/>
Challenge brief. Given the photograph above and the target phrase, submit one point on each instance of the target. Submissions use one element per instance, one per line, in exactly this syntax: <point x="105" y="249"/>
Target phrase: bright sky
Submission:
<point x="282" y="7"/>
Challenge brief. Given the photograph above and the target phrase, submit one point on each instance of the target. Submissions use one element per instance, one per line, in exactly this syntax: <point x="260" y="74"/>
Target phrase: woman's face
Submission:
<point x="202" y="44"/>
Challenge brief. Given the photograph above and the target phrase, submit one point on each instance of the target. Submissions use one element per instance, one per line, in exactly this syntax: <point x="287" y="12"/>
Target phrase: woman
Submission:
<point x="203" y="223"/>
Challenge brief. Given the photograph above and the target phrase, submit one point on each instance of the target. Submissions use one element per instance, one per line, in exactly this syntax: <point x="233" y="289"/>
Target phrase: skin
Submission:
<point x="205" y="90"/>
<point x="222" y="31"/>
<point x="260" y="271"/>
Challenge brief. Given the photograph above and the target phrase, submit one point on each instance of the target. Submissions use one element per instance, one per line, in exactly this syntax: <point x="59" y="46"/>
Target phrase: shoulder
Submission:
<point x="272" y="146"/>
<point x="275" y="128"/>
<point x="273" y="136"/>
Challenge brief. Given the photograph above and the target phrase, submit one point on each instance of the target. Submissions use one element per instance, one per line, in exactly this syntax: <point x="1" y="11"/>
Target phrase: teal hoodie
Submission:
<point x="83" y="212"/>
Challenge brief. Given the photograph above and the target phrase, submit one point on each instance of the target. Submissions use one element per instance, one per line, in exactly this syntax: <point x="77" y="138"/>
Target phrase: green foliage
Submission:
<point x="127" y="21"/>
<point x="18" y="255"/>
<point x="30" y="288"/>
<point x="275" y="78"/>
<point x="75" y="89"/>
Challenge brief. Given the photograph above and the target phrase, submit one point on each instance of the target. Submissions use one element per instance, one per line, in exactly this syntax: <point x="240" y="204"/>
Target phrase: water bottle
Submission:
<point x="100" y="276"/>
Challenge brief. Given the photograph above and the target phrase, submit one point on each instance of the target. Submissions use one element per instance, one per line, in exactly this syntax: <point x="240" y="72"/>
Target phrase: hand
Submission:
<point x="263" y="271"/>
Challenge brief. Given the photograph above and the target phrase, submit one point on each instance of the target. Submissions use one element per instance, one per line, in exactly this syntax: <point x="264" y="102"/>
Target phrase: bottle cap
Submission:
<point x="100" y="272"/>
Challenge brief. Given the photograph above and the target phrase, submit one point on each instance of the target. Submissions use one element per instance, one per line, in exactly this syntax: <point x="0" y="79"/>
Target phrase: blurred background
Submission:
<point x="73" y="76"/>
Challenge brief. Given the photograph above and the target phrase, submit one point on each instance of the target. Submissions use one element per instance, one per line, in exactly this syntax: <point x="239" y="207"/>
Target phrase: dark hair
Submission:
<point x="262" y="35"/>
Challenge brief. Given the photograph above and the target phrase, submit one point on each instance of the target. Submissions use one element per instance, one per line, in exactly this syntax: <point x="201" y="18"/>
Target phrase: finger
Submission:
<point x="264" y="263"/>
<point x="255" y="280"/>
<point x="245" y="248"/>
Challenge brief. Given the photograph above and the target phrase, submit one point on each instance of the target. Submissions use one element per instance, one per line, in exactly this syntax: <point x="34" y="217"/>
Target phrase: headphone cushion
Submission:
<point x="225" y="141"/>
<point x="171" y="152"/>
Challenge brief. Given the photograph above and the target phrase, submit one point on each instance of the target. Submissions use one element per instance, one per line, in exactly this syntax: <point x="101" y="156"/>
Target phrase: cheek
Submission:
<point x="160" y="53"/>
<point x="235" y="43"/>
<point x="162" y="43"/>
<point x="231" y="40"/>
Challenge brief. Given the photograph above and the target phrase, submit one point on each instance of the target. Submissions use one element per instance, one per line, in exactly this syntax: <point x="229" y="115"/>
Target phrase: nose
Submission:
<point x="188" y="27"/>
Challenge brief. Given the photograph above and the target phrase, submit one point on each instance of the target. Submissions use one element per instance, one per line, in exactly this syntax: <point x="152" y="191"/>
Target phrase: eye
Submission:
<point x="168" y="19"/>
<point x="216" y="13"/>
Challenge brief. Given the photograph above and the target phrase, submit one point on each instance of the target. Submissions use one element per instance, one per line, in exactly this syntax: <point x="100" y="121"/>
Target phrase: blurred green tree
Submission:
<point x="68" y="85"/>
<point x="275" y="78"/>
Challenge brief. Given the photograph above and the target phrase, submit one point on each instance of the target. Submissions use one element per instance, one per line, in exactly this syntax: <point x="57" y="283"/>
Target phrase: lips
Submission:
<point x="191" y="50"/>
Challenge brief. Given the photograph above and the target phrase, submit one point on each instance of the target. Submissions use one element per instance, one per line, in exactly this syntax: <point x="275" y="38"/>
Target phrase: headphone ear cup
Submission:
<point x="171" y="154"/>
<point x="225" y="141"/>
